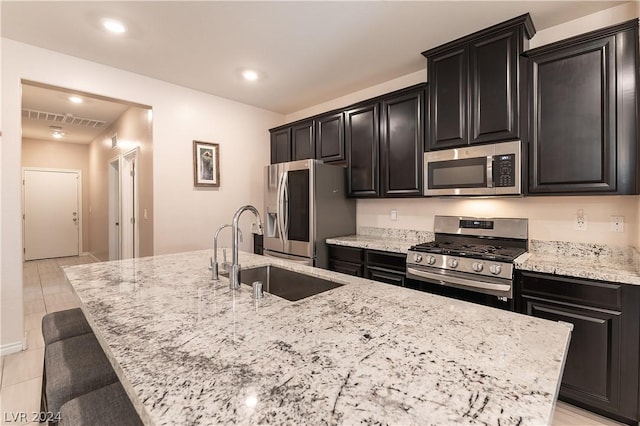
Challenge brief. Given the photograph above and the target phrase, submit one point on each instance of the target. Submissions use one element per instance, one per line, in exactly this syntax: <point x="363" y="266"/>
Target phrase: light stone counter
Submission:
<point x="591" y="261"/>
<point x="579" y="260"/>
<point x="383" y="239"/>
<point x="190" y="351"/>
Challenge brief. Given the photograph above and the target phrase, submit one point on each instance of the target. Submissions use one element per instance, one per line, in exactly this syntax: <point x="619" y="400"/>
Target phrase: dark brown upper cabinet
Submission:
<point x="583" y="113"/>
<point x="384" y="138"/>
<point x="280" y="145"/>
<point x="302" y="141"/>
<point x="362" y="136"/>
<point x="402" y="144"/>
<point x="330" y="137"/>
<point x="474" y="86"/>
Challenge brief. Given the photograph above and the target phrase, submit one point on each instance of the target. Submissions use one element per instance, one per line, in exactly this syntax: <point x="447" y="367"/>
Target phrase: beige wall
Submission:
<point x="184" y="218"/>
<point x="604" y="18"/>
<point x="133" y="129"/>
<point x="61" y="155"/>
<point x="550" y="218"/>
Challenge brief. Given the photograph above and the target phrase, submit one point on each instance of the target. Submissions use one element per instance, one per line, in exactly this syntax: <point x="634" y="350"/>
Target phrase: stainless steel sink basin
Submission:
<point x="286" y="284"/>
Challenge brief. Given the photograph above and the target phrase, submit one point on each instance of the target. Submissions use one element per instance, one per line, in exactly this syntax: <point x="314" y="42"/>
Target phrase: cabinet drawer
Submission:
<point x="354" y="269"/>
<point x="395" y="261"/>
<point x="572" y="290"/>
<point x="346" y="254"/>
<point x="386" y="276"/>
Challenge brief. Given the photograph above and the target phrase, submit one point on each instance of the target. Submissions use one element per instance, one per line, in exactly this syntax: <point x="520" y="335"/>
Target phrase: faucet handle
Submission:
<point x="257" y="228"/>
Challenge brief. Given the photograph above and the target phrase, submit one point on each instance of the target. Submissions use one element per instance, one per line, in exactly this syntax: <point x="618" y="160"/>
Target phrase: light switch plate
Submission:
<point x="394" y="214"/>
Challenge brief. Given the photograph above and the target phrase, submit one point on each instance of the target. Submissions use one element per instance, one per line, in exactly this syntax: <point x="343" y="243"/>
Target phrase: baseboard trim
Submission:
<point x="10" y="348"/>
<point x="95" y="259"/>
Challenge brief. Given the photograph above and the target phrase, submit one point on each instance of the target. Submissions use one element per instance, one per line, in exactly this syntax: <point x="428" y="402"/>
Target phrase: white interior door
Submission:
<point x="114" y="209"/>
<point x="129" y="205"/>
<point x="51" y="213"/>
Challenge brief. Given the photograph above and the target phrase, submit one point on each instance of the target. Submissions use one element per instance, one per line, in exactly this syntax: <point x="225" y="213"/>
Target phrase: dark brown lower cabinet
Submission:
<point x="601" y="370"/>
<point x="348" y="268"/>
<point x="375" y="265"/>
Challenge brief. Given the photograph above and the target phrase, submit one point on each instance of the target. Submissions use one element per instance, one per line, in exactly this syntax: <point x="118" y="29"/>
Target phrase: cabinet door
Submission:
<point x="362" y="137"/>
<point x="302" y="141"/>
<point x="572" y="94"/>
<point x="592" y="370"/>
<point x="402" y="145"/>
<point x="386" y="276"/>
<point x="448" y="98"/>
<point x="330" y="137"/>
<point x="493" y="78"/>
<point x="281" y="146"/>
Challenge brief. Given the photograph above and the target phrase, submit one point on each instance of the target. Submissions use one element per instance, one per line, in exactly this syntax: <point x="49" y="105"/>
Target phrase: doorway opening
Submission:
<point x="110" y="142"/>
<point x="124" y="232"/>
<point x="52" y="213"/>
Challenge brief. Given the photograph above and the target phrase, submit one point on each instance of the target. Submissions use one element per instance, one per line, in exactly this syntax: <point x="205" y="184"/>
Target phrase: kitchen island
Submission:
<point x="190" y="351"/>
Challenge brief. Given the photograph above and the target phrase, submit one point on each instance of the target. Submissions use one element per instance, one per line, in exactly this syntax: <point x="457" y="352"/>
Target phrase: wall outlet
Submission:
<point x="581" y="221"/>
<point x="617" y="223"/>
<point x="394" y="215"/>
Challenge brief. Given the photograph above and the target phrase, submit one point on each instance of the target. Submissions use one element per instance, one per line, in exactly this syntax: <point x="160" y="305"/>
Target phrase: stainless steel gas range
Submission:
<point x="471" y="258"/>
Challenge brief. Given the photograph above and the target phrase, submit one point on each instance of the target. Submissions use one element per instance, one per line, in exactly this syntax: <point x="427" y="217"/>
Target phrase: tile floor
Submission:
<point x="46" y="290"/>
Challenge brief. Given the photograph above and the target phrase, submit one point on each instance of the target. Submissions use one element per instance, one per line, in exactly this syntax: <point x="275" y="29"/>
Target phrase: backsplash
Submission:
<point x="396" y="234"/>
<point x="550" y="218"/>
<point x="583" y="250"/>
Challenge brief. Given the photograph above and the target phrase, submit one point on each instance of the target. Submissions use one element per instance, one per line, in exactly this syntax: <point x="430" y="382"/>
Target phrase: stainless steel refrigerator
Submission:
<point x="305" y="203"/>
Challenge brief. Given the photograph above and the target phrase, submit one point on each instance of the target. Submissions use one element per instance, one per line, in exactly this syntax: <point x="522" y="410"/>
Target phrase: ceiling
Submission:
<point x="307" y="52"/>
<point x="46" y="109"/>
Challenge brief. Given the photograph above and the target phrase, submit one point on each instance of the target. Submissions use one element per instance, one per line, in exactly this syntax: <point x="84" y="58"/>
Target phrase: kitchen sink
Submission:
<point x="286" y="284"/>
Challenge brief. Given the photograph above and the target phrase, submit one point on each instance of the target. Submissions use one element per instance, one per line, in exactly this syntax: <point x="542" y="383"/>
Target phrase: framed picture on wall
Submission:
<point x="206" y="164"/>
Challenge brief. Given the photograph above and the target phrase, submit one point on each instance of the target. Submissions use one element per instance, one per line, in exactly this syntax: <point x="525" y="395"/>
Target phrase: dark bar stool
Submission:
<point x="64" y="324"/>
<point x="107" y="406"/>
<point x="73" y="367"/>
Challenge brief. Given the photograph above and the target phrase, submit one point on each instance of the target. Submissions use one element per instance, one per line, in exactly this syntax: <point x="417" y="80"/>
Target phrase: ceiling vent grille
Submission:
<point x="62" y="118"/>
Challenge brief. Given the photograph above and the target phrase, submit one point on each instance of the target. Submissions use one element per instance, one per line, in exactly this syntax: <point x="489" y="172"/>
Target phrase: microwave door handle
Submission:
<point x="489" y="171"/>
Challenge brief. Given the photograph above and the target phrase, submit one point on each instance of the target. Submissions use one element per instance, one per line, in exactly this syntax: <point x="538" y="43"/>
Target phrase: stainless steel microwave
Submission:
<point x="494" y="169"/>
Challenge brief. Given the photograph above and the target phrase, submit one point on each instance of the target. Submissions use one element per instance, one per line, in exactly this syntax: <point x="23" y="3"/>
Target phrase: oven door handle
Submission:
<point x="450" y="279"/>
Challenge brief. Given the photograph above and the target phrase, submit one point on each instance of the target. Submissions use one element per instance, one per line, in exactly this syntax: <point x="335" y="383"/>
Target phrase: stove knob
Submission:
<point x="431" y="260"/>
<point x="453" y="263"/>
<point x="417" y="258"/>
<point x="495" y="269"/>
<point x="477" y="266"/>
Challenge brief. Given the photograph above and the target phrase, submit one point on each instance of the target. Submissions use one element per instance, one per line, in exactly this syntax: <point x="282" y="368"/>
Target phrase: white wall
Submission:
<point x="604" y="18"/>
<point x="551" y="218"/>
<point x="62" y="155"/>
<point x="184" y="217"/>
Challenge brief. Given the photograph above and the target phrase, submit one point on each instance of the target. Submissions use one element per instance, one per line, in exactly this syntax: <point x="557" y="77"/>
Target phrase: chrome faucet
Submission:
<point x="234" y="274"/>
<point x="214" y="259"/>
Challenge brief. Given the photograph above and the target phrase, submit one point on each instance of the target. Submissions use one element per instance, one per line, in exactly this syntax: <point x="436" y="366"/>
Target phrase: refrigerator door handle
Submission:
<point x="280" y="202"/>
<point x="285" y="205"/>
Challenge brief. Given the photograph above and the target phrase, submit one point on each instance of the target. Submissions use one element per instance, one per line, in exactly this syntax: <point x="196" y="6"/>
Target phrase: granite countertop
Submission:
<point x="591" y="261"/>
<point x="383" y="239"/>
<point x="190" y="351"/>
<point x="579" y="260"/>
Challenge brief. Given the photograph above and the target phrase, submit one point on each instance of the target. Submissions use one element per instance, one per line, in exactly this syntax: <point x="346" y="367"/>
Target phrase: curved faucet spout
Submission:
<point x="234" y="275"/>
<point x="214" y="260"/>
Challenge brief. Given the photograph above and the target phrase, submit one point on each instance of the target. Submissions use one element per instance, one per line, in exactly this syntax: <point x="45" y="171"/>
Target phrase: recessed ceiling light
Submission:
<point x="114" y="26"/>
<point x="76" y="99"/>
<point x="58" y="134"/>
<point x="250" y="75"/>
